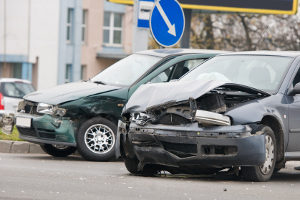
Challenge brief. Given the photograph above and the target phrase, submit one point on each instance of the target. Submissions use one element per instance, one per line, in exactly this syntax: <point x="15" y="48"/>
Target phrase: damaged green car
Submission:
<point x="84" y="115"/>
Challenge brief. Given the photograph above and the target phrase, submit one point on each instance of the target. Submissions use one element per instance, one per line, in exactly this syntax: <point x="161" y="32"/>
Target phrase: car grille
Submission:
<point x="31" y="109"/>
<point x="27" y="132"/>
<point x="181" y="150"/>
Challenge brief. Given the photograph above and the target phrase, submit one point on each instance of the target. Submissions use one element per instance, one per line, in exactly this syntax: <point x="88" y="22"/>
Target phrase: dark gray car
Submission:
<point x="239" y="111"/>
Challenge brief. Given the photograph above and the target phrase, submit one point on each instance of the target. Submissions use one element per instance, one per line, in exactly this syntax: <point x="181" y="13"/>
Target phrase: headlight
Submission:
<point x="59" y="112"/>
<point x="45" y="108"/>
<point x="139" y="118"/>
<point x="51" y="110"/>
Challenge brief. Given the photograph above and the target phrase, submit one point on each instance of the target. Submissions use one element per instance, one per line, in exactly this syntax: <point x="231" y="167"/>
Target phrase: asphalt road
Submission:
<point x="28" y="176"/>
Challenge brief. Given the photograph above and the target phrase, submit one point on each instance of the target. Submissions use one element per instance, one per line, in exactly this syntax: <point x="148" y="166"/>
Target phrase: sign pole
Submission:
<point x="185" y="40"/>
<point x="140" y="35"/>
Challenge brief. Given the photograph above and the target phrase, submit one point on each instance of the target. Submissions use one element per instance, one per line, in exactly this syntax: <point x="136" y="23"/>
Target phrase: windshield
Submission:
<point x="16" y="89"/>
<point x="126" y="71"/>
<point x="260" y="72"/>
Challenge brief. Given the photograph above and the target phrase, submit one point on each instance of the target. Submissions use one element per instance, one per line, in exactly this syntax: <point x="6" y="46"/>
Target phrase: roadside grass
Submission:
<point x="14" y="136"/>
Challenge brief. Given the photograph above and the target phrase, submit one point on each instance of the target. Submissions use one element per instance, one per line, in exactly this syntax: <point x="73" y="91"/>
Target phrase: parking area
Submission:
<point x="39" y="176"/>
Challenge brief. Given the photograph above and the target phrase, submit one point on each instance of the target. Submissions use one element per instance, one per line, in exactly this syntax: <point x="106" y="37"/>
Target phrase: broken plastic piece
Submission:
<point x="210" y="118"/>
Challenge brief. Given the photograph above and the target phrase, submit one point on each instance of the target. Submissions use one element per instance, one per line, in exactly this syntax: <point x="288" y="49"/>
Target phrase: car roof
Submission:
<point x="14" y="80"/>
<point x="167" y="52"/>
<point x="268" y="53"/>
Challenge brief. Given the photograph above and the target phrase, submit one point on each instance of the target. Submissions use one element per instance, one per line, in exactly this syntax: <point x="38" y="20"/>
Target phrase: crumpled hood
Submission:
<point x="68" y="92"/>
<point x="154" y="95"/>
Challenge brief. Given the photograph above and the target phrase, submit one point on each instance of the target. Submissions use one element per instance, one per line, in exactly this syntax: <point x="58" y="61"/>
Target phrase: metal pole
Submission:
<point x="28" y="31"/>
<point x="185" y="40"/>
<point x="4" y="34"/>
<point x="140" y="35"/>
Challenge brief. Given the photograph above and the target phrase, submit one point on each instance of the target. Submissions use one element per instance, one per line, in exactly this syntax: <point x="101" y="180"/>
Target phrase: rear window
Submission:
<point x="16" y="89"/>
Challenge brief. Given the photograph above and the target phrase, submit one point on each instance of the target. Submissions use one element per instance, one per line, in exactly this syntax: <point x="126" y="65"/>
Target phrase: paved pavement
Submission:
<point x="7" y="146"/>
<point x="39" y="176"/>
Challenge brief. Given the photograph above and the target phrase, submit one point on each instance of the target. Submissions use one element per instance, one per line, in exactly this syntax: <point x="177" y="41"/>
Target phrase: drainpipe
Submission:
<point x="77" y="40"/>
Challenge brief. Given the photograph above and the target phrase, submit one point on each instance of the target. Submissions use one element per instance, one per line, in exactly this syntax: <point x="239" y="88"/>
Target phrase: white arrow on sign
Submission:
<point x="171" y="27"/>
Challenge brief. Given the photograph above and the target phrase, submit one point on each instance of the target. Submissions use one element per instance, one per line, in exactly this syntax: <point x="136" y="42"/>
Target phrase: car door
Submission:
<point x="171" y="70"/>
<point x="294" y="117"/>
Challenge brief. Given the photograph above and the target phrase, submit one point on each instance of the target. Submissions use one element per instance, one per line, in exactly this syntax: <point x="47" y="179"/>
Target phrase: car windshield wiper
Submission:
<point x="100" y="82"/>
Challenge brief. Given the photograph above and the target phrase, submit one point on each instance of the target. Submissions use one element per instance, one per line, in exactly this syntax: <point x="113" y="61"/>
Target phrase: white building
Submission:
<point x="51" y="42"/>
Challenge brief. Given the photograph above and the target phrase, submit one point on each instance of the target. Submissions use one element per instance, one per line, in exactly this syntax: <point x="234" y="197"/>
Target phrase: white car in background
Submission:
<point x="12" y="91"/>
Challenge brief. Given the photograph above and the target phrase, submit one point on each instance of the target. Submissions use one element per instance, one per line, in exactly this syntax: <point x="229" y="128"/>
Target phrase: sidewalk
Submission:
<point x="7" y="146"/>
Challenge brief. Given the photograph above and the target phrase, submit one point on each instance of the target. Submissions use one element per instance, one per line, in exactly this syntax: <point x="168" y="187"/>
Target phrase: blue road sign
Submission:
<point x="167" y="22"/>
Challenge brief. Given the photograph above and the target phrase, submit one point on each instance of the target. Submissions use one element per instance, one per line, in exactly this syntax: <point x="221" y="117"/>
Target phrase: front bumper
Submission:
<point x="46" y="129"/>
<point x="190" y="145"/>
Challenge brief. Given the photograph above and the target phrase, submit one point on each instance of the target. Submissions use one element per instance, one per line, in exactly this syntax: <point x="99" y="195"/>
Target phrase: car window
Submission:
<point x="162" y="77"/>
<point x="126" y="71"/>
<point x="184" y="67"/>
<point x="16" y="89"/>
<point x="177" y="70"/>
<point x="261" y="72"/>
<point x="297" y="78"/>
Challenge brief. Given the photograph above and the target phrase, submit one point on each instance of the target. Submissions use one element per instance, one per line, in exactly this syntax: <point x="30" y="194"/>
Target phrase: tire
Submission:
<point x="131" y="165"/>
<point x="58" y="150"/>
<point x="96" y="139"/>
<point x="264" y="172"/>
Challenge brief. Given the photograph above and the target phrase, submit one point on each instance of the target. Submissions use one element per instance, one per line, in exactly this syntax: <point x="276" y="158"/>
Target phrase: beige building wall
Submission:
<point x="94" y="39"/>
<point x="94" y="36"/>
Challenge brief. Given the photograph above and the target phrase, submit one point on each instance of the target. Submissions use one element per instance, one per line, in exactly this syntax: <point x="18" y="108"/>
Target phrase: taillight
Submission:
<point x="1" y="102"/>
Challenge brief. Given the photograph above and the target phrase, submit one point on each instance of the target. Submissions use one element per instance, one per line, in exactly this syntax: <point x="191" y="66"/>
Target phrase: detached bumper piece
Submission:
<point x="191" y="145"/>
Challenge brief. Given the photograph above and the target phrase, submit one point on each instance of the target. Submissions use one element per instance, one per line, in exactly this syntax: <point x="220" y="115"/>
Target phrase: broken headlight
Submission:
<point x="50" y="109"/>
<point x="45" y="108"/>
<point x="139" y="118"/>
<point x="59" y="112"/>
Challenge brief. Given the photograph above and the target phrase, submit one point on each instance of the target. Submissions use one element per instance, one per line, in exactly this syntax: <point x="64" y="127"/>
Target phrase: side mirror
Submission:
<point x="295" y="90"/>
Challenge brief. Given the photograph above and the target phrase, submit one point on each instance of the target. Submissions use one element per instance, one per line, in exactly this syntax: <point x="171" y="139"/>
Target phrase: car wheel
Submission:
<point x="58" y="150"/>
<point x="131" y="165"/>
<point x="265" y="171"/>
<point x="96" y="139"/>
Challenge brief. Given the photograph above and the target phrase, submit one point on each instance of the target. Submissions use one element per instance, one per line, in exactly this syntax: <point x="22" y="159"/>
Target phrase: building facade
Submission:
<point x="59" y="41"/>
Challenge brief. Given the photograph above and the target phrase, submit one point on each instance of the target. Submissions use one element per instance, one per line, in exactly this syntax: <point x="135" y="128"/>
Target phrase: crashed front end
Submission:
<point x="41" y="123"/>
<point x="192" y="132"/>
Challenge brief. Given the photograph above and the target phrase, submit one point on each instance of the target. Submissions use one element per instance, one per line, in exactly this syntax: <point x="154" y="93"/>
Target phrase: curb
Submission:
<point x="7" y="146"/>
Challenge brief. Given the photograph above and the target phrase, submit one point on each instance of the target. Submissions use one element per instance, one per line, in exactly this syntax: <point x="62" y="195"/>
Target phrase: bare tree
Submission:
<point x="245" y="32"/>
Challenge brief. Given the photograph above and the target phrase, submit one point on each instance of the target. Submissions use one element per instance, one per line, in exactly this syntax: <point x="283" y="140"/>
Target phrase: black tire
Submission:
<point x="131" y="165"/>
<point x="91" y="147"/>
<point x="255" y="173"/>
<point x="62" y="151"/>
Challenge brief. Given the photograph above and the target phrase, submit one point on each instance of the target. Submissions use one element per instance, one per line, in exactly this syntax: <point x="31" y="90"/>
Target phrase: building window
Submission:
<point x="70" y="20"/>
<point x="112" y="29"/>
<point x="83" y="72"/>
<point x="68" y="73"/>
<point x="84" y="26"/>
<point x="17" y="70"/>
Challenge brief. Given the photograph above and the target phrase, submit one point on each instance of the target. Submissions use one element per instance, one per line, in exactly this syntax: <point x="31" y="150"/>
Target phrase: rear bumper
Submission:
<point x="179" y="146"/>
<point x="46" y="129"/>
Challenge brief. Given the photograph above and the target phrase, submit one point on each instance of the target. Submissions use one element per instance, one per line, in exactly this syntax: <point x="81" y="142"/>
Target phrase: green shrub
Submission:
<point x="14" y="136"/>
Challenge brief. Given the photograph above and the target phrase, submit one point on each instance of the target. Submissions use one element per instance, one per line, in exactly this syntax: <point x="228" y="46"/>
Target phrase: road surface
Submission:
<point x="29" y="176"/>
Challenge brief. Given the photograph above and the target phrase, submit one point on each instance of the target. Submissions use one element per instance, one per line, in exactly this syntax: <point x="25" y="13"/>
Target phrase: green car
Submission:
<point x="84" y="115"/>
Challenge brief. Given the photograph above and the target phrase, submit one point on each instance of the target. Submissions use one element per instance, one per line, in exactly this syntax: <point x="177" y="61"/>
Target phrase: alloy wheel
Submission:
<point x="270" y="155"/>
<point x="99" y="138"/>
